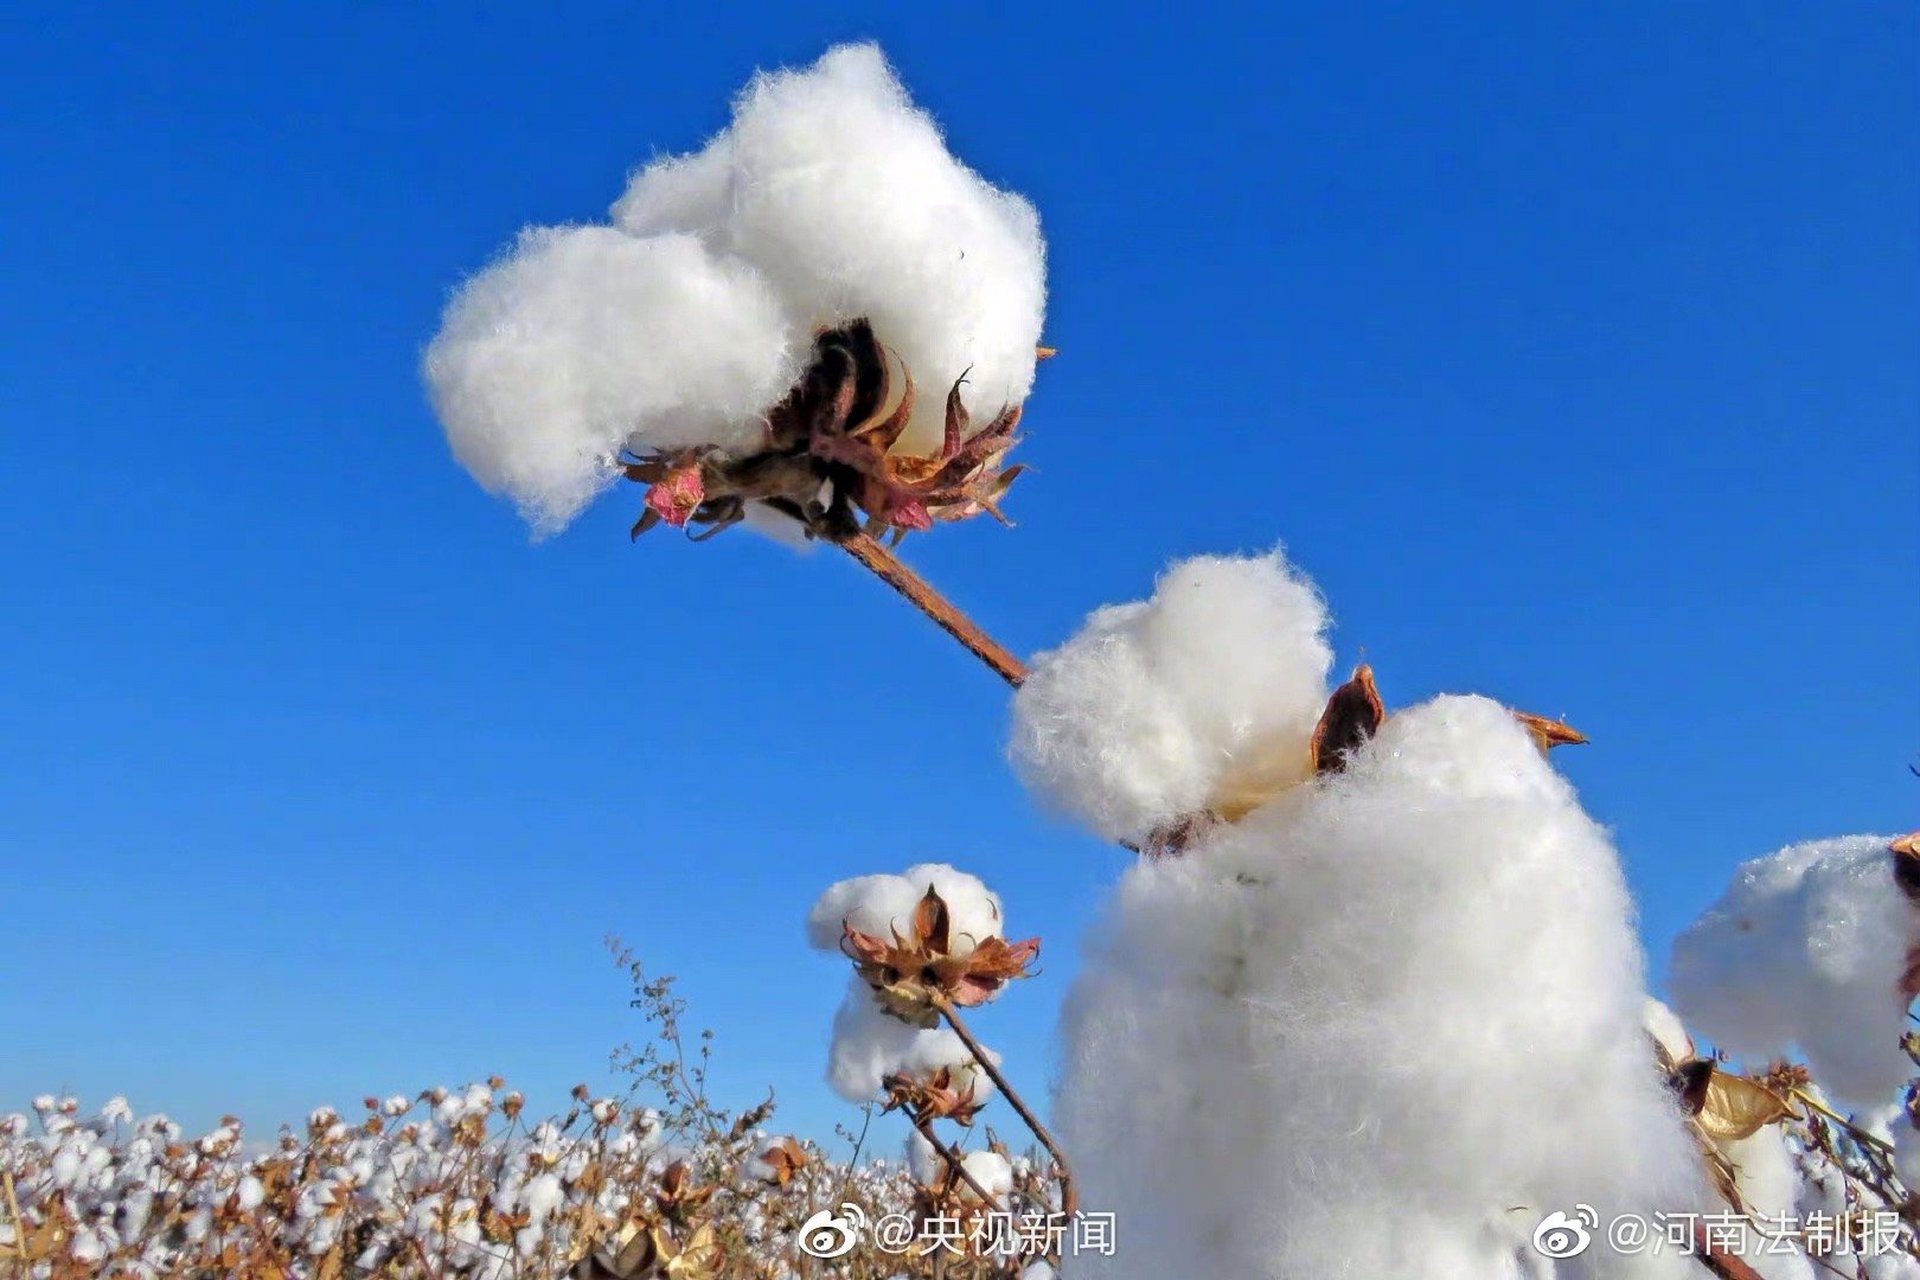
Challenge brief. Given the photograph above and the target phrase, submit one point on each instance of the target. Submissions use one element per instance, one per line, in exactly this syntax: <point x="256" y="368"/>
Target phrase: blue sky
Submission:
<point x="1571" y="348"/>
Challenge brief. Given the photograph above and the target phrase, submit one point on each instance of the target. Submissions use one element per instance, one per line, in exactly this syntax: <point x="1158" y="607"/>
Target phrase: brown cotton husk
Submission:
<point x="913" y="973"/>
<point x="831" y="457"/>
<point x="1353" y="715"/>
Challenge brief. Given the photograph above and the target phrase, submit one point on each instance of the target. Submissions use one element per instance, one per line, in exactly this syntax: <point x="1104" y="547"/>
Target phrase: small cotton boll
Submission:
<point x="583" y="341"/>
<point x="991" y="1170"/>
<point x="844" y="194"/>
<point x="1807" y="947"/>
<point x="1138" y="718"/>
<point x="883" y="904"/>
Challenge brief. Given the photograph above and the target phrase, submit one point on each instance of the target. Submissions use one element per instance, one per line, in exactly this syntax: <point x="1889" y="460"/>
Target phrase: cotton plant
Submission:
<point x="926" y="944"/>
<point x="448" y="1183"/>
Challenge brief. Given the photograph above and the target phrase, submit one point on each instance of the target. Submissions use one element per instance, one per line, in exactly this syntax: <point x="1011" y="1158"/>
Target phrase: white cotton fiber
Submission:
<point x="867" y="1046"/>
<point x="843" y="193"/>
<point x="1139" y="717"/>
<point x="583" y="341"/>
<point x="830" y="197"/>
<point x="883" y="904"/>
<point x="1381" y="1027"/>
<point x="1807" y="948"/>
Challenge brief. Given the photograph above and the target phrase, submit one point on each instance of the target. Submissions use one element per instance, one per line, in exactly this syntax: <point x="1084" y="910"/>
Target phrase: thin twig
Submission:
<point x="1859" y="1135"/>
<point x="1063" y="1171"/>
<point x="922" y="594"/>
<point x="13" y="1210"/>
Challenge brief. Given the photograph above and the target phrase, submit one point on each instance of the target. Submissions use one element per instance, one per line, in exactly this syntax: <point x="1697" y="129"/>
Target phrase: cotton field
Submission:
<point x="1366" y="996"/>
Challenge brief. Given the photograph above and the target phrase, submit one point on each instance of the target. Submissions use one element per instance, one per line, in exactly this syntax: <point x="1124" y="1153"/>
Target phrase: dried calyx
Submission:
<point x="932" y="1096"/>
<point x="1353" y="715"/>
<point x="831" y="460"/>
<point x="916" y="972"/>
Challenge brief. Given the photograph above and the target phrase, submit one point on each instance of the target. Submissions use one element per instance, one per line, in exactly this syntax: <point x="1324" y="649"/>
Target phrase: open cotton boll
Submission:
<point x="882" y="904"/>
<point x="1138" y="718"/>
<point x="1808" y="947"/>
<point x="1358" y="1028"/>
<point x="833" y="184"/>
<point x="583" y="340"/>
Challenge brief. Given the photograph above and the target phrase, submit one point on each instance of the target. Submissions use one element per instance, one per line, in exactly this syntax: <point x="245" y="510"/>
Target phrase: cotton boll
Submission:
<point x="1413" y="983"/>
<point x="1138" y="718"/>
<point x="991" y="1170"/>
<point x="1807" y="947"/>
<point x="583" y="341"/>
<point x="845" y="195"/>
<point x="883" y="904"/>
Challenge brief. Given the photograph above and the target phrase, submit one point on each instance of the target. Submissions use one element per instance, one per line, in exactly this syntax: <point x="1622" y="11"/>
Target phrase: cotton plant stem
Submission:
<point x="1063" y="1171"/>
<point x="1859" y="1135"/>
<point x="893" y="571"/>
<point x="1727" y="1266"/>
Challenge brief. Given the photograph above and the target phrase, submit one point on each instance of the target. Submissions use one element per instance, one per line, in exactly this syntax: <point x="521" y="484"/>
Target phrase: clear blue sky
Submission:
<point x="1572" y="348"/>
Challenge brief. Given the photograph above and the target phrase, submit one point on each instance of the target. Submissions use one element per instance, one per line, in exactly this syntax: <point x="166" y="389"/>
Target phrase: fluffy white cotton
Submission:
<point x="1411" y="984"/>
<point x="1140" y="717"/>
<point x="1807" y="948"/>
<point x="881" y="904"/>
<point x="829" y="197"/>
<point x="583" y="341"/>
<point x="843" y="193"/>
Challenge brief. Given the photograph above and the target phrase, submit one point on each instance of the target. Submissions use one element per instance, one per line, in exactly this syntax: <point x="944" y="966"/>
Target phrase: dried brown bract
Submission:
<point x="832" y="458"/>
<point x="931" y="1097"/>
<point x="913" y="973"/>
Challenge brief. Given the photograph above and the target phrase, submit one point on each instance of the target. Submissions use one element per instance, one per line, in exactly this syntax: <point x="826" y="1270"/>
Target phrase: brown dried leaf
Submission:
<point x="1737" y="1107"/>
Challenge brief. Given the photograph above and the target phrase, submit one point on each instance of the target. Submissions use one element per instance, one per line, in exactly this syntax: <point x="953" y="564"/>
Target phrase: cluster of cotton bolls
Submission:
<point x="453" y="1183"/>
<point x="829" y="197"/>
<point x="1378" y="1023"/>
<point x="869" y="1043"/>
<point x="1809" y="948"/>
